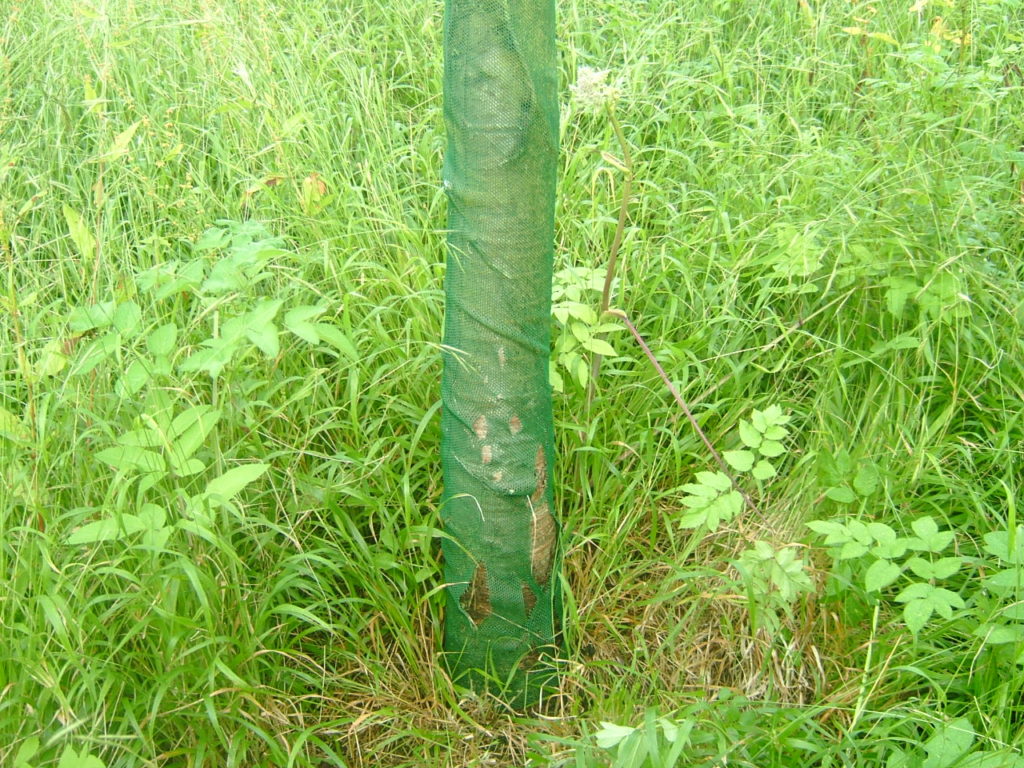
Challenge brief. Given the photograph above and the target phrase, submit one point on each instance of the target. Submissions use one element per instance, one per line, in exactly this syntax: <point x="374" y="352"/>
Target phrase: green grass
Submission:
<point x="825" y="221"/>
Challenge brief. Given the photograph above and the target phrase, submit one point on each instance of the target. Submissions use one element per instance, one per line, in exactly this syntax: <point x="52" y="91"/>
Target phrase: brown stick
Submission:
<point x="686" y="409"/>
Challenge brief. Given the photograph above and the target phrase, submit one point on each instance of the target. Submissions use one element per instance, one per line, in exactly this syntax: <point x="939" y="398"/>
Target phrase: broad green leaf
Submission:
<point x="1010" y="578"/>
<point x="701" y="491"/>
<point x="611" y="735"/>
<point x="771" y="448"/>
<point x="582" y="372"/>
<point x="337" y="339"/>
<point x="750" y="436"/>
<point x="557" y="384"/>
<point x="123" y="457"/>
<point x="759" y="422"/>
<point x="126" y="317"/>
<point x="776" y="432"/>
<point x="851" y="550"/>
<point x="865" y="482"/>
<point x="11" y="426"/>
<point x="141" y="438"/>
<point x="109" y="529"/>
<point x="841" y="495"/>
<point x="741" y="461"/>
<point x="80" y="234"/>
<point x="763" y="470"/>
<point x="917" y="591"/>
<point x="916" y="614"/>
<point x="880" y="575"/>
<point x="599" y="347"/>
<point x="135" y="377"/>
<point x="96" y="352"/>
<point x="305" y="331"/>
<point x="52" y="360"/>
<point x="949" y="743"/>
<point x="998" y="543"/>
<point x="230" y="484"/>
<point x="835" y="531"/>
<point x="581" y="331"/>
<point x="945" y="567"/>
<point x="1000" y="634"/>
<point x="93" y="316"/>
<point x="161" y="341"/>
<point x="717" y="480"/>
<point x="26" y="752"/>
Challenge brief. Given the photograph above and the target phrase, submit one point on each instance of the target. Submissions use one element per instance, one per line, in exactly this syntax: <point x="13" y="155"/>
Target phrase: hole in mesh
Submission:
<point x="480" y="427"/>
<point x="476" y="601"/>
<point x="515" y="425"/>
<point x="542" y="544"/>
<point x="529" y="599"/>
<point x="486" y="454"/>
<point x="540" y="471"/>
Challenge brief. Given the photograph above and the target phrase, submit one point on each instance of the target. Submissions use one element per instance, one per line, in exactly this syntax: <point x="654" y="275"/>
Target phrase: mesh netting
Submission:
<point x="501" y="111"/>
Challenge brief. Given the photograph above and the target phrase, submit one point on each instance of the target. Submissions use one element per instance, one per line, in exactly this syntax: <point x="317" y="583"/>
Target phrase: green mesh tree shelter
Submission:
<point x="501" y="112"/>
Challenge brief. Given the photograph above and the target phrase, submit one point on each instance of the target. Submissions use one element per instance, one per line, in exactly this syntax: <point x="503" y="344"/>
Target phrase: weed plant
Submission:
<point x="221" y="244"/>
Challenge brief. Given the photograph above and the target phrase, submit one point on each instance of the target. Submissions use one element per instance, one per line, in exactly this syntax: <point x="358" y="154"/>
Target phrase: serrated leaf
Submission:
<point x="865" y="482"/>
<point x="763" y="470"/>
<point x="924" y="527"/>
<point x="945" y="567"/>
<point x="917" y="591"/>
<point x="998" y="543"/>
<point x="880" y="575"/>
<point x="851" y="550"/>
<point x="841" y="495"/>
<point x="741" y="461"/>
<point x="700" y="490"/>
<point x="827" y="527"/>
<point x="265" y="337"/>
<point x="599" y="347"/>
<point x="750" y="436"/>
<point x="231" y="483"/>
<point x="759" y="422"/>
<point x="916" y="614"/>
<point x="717" y="480"/>
<point x="771" y="448"/>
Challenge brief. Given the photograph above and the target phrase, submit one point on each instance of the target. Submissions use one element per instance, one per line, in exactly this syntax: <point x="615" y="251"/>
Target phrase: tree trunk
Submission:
<point x="501" y="112"/>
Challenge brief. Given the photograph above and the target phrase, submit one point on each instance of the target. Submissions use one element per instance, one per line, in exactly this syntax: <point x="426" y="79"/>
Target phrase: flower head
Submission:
<point x="592" y="91"/>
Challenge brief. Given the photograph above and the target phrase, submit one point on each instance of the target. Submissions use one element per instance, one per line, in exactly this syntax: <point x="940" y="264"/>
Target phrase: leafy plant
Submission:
<point x="580" y="329"/>
<point x="882" y="557"/>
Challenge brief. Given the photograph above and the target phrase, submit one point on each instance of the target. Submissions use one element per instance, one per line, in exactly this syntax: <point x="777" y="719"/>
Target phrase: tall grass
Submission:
<point x="827" y="216"/>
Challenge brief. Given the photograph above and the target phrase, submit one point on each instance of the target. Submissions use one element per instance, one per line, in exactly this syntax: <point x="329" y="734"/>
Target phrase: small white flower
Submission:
<point x="592" y="91"/>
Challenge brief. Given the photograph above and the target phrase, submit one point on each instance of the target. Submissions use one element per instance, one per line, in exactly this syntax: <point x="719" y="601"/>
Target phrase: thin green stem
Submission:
<point x="620" y="229"/>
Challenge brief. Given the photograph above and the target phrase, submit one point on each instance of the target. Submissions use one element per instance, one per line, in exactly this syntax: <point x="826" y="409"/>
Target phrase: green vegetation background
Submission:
<point x="221" y="244"/>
